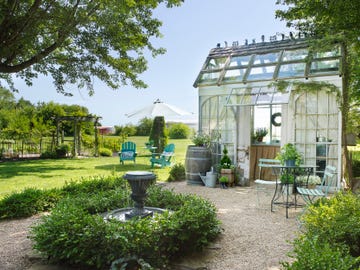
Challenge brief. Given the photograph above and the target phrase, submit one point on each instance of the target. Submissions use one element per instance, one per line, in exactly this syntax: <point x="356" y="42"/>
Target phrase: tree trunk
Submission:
<point x="347" y="167"/>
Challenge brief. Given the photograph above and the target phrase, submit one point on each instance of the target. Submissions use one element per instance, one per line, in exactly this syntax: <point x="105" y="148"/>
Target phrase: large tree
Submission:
<point x="76" y="40"/>
<point x="331" y="21"/>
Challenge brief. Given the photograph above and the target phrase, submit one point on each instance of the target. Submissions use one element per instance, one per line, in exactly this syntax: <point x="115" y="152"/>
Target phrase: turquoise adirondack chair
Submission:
<point x="164" y="159"/>
<point x="128" y="152"/>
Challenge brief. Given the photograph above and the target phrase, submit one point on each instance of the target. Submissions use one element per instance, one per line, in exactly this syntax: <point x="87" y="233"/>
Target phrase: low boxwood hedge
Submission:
<point x="76" y="234"/>
<point x="31" y="201"/>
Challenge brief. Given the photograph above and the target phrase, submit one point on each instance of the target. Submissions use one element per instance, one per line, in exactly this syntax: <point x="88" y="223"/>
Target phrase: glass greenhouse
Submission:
<point x="263" y="85"/>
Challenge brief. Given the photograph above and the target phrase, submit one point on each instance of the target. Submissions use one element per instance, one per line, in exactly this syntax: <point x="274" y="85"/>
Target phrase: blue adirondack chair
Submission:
<point x="128" y="152"/>
<point x="164" y="159"/>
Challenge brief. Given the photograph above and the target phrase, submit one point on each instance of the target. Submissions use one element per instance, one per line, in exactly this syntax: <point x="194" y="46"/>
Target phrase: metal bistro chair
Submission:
<point x="309" y="195"/>
<point x="266" y="186"/>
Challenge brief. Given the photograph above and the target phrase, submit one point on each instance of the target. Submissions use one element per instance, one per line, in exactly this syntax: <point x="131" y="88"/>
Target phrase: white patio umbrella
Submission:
<point x="158" y="108"/>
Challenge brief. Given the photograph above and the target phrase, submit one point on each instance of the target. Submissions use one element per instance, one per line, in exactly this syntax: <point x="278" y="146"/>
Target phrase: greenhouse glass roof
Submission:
<point x="251" y="96"/>
<point x="266" y="61"/>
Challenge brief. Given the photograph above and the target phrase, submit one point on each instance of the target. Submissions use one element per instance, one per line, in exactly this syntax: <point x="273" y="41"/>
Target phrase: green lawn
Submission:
<point x="17" y="175"/>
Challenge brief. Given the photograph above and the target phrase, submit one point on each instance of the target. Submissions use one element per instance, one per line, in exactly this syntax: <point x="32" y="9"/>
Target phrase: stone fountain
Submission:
<point x="139" y="182"/>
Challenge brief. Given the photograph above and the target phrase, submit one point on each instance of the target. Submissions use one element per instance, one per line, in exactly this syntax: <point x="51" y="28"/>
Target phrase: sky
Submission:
<point x="189" y="33"/>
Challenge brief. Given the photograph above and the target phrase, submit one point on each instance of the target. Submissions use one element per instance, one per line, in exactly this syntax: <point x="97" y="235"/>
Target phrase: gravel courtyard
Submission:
<point x="253" y="237"/>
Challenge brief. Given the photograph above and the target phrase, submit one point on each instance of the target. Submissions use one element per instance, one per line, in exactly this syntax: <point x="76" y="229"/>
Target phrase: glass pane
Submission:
<point x="258" y="96"/>
<point x="234" y="75"/>
<point x="292" y="70"/>
<point x="209" y="114"/>
<point x="254" y="95"/>
<point x="312" y="103"/>
<point x="312" y="122"/>
<point x="216" y="63"/>
<point x="333" y="120"/>
<point x="209" y="77"/>
<point x="240" y="61"/>
<point x="333" y="136"/>
<point x="324" y="66"/>
<point x="262" y="120"/>
<point x="295" y="55"/>
<point x="264" y="96"/>
<point x="335" y="52"/>
<point x="300" y="121"/>
<point x="261" y="73"/>
<point x="266" y="58"/>
<point x="280" y="98"/>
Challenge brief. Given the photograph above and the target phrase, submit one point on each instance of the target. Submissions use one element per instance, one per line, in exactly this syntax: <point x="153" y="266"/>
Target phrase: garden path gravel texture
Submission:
<point x="254" y="238"/>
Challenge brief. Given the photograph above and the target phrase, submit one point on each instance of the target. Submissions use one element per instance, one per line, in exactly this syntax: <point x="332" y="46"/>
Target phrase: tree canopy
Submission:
<point x="330" y="21"/>
<point x="322" y="17"/>
<point x="76" y="40"/>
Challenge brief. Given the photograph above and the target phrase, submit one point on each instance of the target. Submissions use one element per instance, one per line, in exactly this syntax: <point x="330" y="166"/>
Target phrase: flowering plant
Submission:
<point x="260" y="132"/>
<point x="200" y="139"/>
<point x="312" y="180"/>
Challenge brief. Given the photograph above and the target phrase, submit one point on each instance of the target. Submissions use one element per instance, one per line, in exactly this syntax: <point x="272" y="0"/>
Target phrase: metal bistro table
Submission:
<point x="284" y="188"/>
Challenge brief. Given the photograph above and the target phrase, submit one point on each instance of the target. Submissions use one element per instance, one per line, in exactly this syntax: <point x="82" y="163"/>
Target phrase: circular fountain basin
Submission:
<point x="139" y="182"/>
<point x="122" y="214"/>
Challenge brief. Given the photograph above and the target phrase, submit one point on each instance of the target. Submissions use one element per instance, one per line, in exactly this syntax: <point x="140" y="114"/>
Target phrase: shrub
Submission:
<point x="144" y="127"/>
<point x="105" y="152"/>
<point x="179" y="131"/>
<point x="158" y="133"/>
<point x="313" y="253"/>
<point x="111" y="143"/>
<point x="93" y="185"/>
<point x="75" y="235"/>
<point x="48" y="154"/>
<point x="62" y="150"/>
<point x="356" y="168"/>
<point x="177" y="173"/>
<point x="331" y="235"/>
<point x="28" y="202"/>
<point x="31" y="201"/>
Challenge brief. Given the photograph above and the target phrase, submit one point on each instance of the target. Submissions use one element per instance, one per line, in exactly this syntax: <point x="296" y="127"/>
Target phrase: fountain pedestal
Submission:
<point x="139" y="182"/>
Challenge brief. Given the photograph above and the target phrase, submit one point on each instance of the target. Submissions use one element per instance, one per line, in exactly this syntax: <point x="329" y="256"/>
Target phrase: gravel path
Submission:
<point x="254" y="238"/>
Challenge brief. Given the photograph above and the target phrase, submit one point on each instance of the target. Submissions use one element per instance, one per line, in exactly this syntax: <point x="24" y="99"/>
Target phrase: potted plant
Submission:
<point x="223" y="181"/>
<point x="198" y="159"/>
<point x="260" y="133"/>
<point x="289" y="155"/>
<point x="310" y="181"/>
<point x="201" y="139"/>
<point x="287" y="178"/>
<point x="226" y="167"/>
<point x="287" y="181"/>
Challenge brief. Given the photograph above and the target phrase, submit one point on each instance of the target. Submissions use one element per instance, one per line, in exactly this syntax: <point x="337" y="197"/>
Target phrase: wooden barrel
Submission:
<point x="198" y="160"/>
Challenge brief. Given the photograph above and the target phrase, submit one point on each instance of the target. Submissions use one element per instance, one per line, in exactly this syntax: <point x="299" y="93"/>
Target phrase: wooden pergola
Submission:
<point x="77" y="133"/>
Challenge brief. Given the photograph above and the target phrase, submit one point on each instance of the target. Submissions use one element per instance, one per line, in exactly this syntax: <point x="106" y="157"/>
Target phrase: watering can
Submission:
<point x="209" y="179"/>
